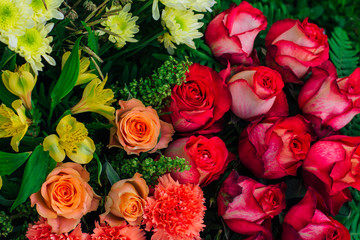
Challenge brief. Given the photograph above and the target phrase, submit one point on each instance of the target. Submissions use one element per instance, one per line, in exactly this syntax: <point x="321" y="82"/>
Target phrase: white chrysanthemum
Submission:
<point x="202" y="5"/>
<point x="197" y="5"/>
<point x="35" y="44"/>
<point x="43" y="13"/>
<point x="183" y="26"/>
<point x="15" y="18"/>
<point x="122" y="24"/>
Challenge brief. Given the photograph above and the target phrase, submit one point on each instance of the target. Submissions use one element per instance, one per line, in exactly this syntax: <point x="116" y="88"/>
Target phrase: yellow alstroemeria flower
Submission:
<point x="13" y="125"/>
<point x="72" y="140"/>
<point x="20" y="83"/>
<point x="85" y="75"/>
<point x="1" y="182"/>
<point x="96" y="99"/>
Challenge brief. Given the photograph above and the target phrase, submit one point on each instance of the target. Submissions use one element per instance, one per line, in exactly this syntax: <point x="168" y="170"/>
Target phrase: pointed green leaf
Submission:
<point x="111" y="173"/>
<point x="68" y="76"/>
<point x="9" y="162"/>
<point x="37" y="168"/>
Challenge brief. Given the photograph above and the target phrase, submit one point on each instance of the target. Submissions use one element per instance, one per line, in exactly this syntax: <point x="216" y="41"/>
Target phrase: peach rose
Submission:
<point x="126" y="201"/>
<point x="138" y="128"/>
<point x="65" y="197"/>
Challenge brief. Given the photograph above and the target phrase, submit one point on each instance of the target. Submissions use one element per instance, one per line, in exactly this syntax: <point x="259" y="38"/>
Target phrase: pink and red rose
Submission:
<point x="304" y="222"/>
<point x="199" y="103"/>
<point x="331" y="166"/>
<point x="328" y="101"/>
<point x="275" y="147"/>
<point x="247" y="206"/>
<point x="294" y="46"/>
<point x="255" y="91"/>
<point x="231" y="34"/>
<point x="208" y="158"/>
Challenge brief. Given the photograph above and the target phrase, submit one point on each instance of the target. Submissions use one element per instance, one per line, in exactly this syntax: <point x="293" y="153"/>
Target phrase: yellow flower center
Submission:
<point x="38" y="5"/>
<point x="70" y="139"/>
<point x="31" y="40"/>
<point x="182" y="22"/>
<point x="9" y="15"/>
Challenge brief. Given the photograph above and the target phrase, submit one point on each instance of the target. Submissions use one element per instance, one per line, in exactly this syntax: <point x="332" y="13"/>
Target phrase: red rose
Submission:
<point x="200" y="102"/>
<point x="305" y="222"/>
<point x="330" y="101"/>
<point x="208" y="158"/>
<point x="247" y="206"/>
<point x="294" y="47"/>
<point x="275" y="147"/>
<point x="255" y="91"/>
<point x="331" y="166"/>
<point x="232" y="33"/>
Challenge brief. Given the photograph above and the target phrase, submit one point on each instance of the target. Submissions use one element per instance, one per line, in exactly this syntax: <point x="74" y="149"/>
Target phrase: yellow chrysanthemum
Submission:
<point x="183" y="26"/>
<point x="43" y="13"/>
<point x="13" y="125"/>
<point x="35" y="44"/>
<point x="197" y="5"/>
<point x="15" y="18"/>
<point x="72" y="140"/>
<point x="96" y="99"/>
<point x="20" y="83"/>
<point x="122" y="24"/>
<point x="85" y="75"/>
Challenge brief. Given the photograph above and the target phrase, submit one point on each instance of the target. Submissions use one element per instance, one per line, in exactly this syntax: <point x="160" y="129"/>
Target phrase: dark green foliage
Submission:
<point x="342" y="53"/>
<point x="151" y="169"/>
<point x="353" y="127"/>
<point x="155" y="90"/>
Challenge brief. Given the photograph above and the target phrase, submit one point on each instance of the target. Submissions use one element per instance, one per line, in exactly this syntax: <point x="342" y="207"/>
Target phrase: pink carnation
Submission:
<point x="120" y="232"/>
<point x="41" y="230"/>
<point x="176" y="211"/>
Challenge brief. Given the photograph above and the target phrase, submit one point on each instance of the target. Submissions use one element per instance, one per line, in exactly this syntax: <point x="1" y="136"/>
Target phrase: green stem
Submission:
<point x="146" y="5"/>
<point x="138" y="46"/>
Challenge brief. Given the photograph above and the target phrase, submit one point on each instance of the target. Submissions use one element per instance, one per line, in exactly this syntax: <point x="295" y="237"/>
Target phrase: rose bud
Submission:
<point x="328" y="101"/>
<point x="126" y="201"/>
<point x="304" y="222"/>
<point x="331" y="166"/>
<point x="275" y="147"/>
<point x="294" y="47"/>
<point x="231" y="34"/>
<point x="254" y="92"/>
<point x="199" y="103"/>
<point x="138" y="129"/>
<point x="247" y="206"/>
<point x="208" y="158"/>
<point x="65" y="197"/>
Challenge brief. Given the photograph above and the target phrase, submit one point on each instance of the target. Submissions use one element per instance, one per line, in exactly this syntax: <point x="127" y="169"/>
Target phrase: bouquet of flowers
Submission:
<point x="179" y="120"/>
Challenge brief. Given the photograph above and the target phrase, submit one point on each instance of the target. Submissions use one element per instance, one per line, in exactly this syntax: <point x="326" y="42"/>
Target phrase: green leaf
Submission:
<point x="111" y="173"/>
<point x="99" y="167"/>
<point x="342" y="53"/>
<point x="9" y="162"/>
<point x="92" y="40"/>
<point x="68" y="76"/>
<point x="37" y="168"/>
<point x="8" y="58"/>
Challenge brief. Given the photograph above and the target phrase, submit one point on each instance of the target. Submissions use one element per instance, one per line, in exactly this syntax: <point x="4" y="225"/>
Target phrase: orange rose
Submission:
<point x="65" y="197"/>
<point x="126" y="201"/>
<point x="138" y="128"/>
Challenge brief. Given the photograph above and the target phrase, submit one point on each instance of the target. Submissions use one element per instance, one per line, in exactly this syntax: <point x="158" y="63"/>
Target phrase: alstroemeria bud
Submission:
<point x="20" y="83"/>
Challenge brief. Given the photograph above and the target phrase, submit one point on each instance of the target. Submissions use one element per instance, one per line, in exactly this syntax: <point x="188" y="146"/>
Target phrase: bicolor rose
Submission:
<point x="331" y="166"/>
<point x="231" y="34"/>
<point x="199" y="103"/>
<point x="304" y="222"/>
<point x="293" y="47"/>
<point x="255" y="91"/>
<point x="247" y="206"/>
<point x="208" y="158"/>
<point x="275" y="147"/>
<point x="138" y="128"/>
<point x="65" y="197"/>
<point x="126" y="201"/>
<point x="328" y="101"/>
